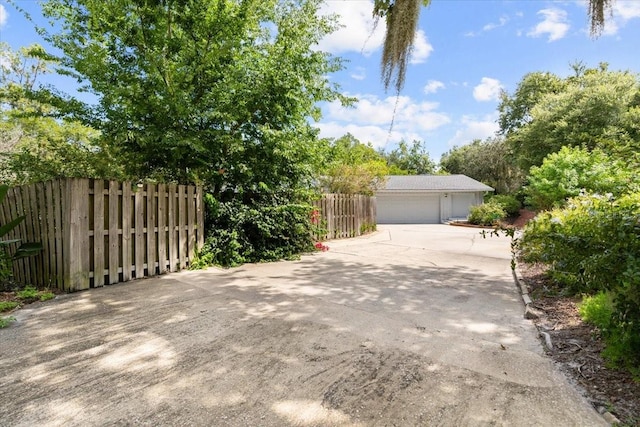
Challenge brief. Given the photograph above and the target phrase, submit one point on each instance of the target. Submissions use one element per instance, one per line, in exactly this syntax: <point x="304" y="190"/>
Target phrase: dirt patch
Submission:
<point x="577" y="349"/>
<point x="525" y="216"/>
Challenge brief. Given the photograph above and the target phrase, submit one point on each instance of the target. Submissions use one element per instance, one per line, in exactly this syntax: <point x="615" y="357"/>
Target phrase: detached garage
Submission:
<point x="427" y="199"/>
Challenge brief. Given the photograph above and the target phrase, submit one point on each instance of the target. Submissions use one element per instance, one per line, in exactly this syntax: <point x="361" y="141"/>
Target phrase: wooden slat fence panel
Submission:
<point x="346" y="215"/>
<point x="97" y="233"/>
<point x="162" y="229"/>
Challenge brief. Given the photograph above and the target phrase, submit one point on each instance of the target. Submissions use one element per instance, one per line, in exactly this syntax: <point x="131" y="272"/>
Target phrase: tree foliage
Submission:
<point x="215" y="92"/>
<point x="38" y="141"/>
<point x="351" y="167"/>
<point x="572" y="171"/>
<point x="592" y="245"/>
<point x="594" y="108"/>
<point x="411" y="159"/>
<point x="211" y="91"/>
<point x="489" y="161"/>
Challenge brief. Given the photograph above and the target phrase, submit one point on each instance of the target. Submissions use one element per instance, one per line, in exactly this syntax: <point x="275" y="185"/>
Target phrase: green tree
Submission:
<point x="216" y="92"/>
<point x="515" y="109"/>
<point x="37" y="140"/>
<point x="595" y="108"/>
<point x="571" y="171"/>
<point x="211" y="91"/>
<point x="490" y="161"/>
<point x="351" y="167"/>
<point x="411" y="159"/>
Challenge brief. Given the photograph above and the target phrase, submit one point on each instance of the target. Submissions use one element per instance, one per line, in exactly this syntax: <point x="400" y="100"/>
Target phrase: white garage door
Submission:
<point x="461" y="202"/>
<point x="408" y="209"/>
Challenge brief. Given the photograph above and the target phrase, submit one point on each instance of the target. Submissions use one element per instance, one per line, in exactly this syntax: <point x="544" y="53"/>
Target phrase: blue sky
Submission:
<point x="466" y="51"/>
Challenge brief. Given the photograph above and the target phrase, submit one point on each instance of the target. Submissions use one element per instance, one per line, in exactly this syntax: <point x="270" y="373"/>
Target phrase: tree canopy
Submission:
<point x="212" y="91"/>
<point x="594" y="108"/>
<point x="411" y="159"/>
<point x="350" y="167"/>
<point x="37" y="141"/>
<point x="489" y="161"/>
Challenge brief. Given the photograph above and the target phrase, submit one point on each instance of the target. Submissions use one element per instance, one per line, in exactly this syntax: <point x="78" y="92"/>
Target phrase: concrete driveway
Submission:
<point x="413" y="325"/>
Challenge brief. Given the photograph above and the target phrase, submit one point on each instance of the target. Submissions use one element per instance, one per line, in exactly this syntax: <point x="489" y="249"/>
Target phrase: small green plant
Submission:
<point x="6" y="321"/>
<point x="8" y="305"/>
<point x="597" y="310"/>
<point x="28" y="293"/>
<point x="489" y="214"/>
<point x="368" y="228"/>
<point x="46" y="295"/>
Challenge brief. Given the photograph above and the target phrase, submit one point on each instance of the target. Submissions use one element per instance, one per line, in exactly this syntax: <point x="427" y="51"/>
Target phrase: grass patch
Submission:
<point x="8" y="305"/>
<point x="28" y="293"/>
<point x="6" y="321"/>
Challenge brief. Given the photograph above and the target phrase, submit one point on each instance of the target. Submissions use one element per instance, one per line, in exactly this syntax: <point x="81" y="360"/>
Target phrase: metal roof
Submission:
<point x="437" y="183"/>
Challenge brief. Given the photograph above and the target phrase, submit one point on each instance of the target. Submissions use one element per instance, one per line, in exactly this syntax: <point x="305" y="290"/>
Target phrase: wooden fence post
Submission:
<point x="76" y="216"/>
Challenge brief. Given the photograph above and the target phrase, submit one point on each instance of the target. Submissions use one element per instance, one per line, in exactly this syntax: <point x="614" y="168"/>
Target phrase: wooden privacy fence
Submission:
<point x="97" y="232"/>
<point x="346" y="215"/>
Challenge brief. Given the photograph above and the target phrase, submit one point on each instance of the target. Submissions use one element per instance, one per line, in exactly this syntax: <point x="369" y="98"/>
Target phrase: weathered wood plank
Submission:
<point x="59" y="196"/>
<point x="33" y="232"/>
<point x="20" y="232"/>
<point x="77" y="218"/>
<point x="152" y="207"/>
<point x="125" y="215"/>
<point x="182" y="224"/>
<point x="162" y="229"/>
<point x="173" y="245"/>
<point x="200" y="216"/>
<point x="191" y="220"/>
<point x="139" y="244"/>
<point x="98" y="233"/>
<point x="43" y="234"/>
<point x="50" y="246"/>
<point x="114" y="245"/>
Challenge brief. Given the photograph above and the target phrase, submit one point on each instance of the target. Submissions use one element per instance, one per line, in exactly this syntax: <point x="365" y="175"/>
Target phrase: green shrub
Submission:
<point x="8" y="305"/>
<point x="571" y="171"/>
<point x="6" y="321"/>
<point x="486" y="214"/>
<point x="46" y="295"/>
<point x="593" y="245"/>
<point x="509" y="203"/>
<point x="261" y="231"/>
<point x="597" y="310"/>
<point x="28" y="293"/>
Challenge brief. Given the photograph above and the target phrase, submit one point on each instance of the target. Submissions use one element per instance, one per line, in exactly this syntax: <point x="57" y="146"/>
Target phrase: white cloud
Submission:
<point x="433" y="86"/>
<point x="554" y="24"/>
<point x="355" y="34"/>
<point x="622" y="12"/>
<point x="493" y="25"/>
<point x="626" y="10"/>
<point x="488" y="90"/>
<point x="474" y="128"/>
<point x="370" y="118"/>
<point x="421" y="48"/>
<point x="4" y="15"/>
<point x="360" y="73"/>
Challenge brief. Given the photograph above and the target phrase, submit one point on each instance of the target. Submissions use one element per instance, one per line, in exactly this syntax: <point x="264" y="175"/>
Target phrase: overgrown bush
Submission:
<point x="597" y="310"/>
<point x="509" y="203"/>
<point x="489" y="213"/>
<point x="593" y="245"/>
<point x="571" y="171"/>
<point x="239" y="233"/>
